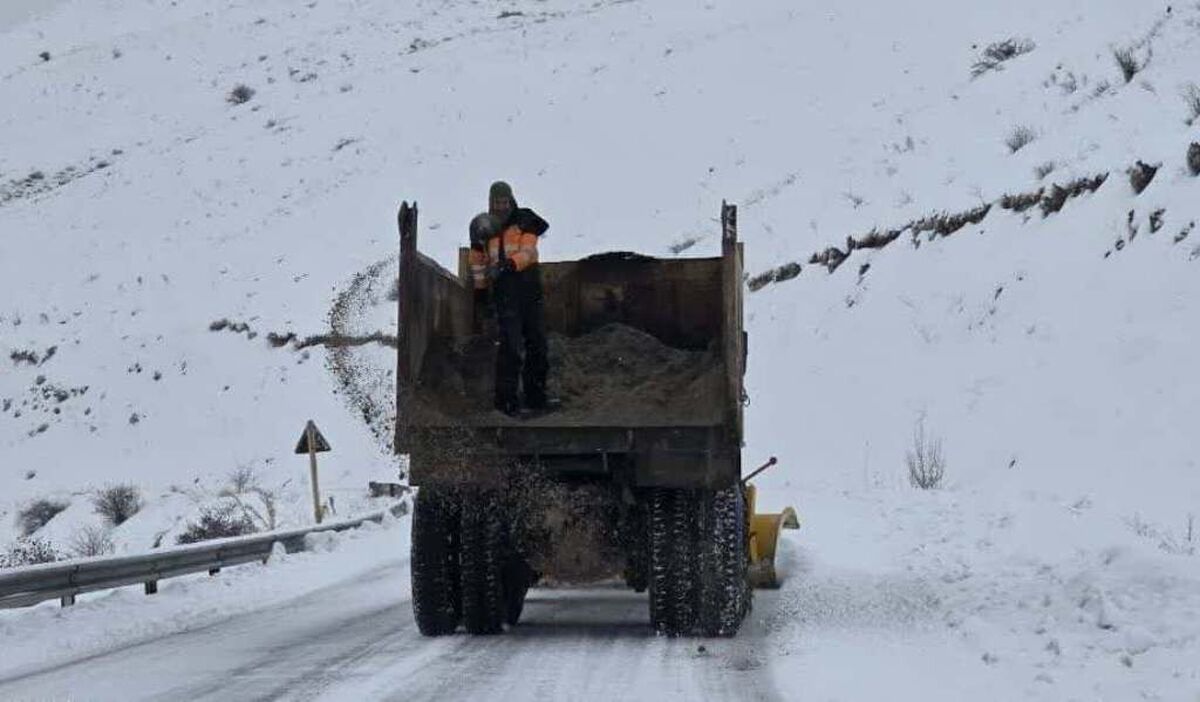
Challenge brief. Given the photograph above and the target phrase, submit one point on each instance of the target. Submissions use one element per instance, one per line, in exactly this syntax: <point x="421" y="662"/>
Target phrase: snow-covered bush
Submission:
<point x="926" y="463"/>
<point x="29" y="551"/>
<point x="240" y="94"/>
<point x="1058" y="195"/>
<point x="1141" y="175"/>
<point x="91" y="541"/>
<point x="117" y="503"/>
<point x="999" y="52"/>
<point x="1183" y="544"/>
<point x="254" y="501"/>
<point x="1191" y="98"/>
<point x="1129" y="63"/>
<point x="1044" y="169"/>
<point x="217" y="522"/>
<point x="37" y="514"/>
<point x="242" y="478"/>
<point x="1020" y="137"/>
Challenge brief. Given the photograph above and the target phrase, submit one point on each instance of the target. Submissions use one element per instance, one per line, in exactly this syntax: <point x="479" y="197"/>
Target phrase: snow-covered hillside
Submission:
<point x="1052" y="350"/>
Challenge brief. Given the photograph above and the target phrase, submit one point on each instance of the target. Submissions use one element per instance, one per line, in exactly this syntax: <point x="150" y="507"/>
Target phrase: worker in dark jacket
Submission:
<point x="507" y="264"/>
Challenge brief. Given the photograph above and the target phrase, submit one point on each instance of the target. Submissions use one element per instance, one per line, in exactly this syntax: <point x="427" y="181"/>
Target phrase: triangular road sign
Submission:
<point x="320" y="445"/>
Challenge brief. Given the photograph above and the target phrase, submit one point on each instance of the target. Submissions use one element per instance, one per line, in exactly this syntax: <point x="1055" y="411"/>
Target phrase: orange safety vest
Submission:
<point x="519" y="246"/>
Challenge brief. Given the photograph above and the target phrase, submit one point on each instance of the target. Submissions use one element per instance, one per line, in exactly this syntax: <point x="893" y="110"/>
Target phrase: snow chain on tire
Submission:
<point x="672" y="555"/>
<point x="724" y="582"/>
<point x="483" y="554"/>
<point x="434" y="562"/>
<point x="698" y="561"/>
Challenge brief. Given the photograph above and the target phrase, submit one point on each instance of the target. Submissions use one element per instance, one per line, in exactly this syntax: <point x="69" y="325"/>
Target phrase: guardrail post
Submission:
<point x="67" y="600"/>
<point x="151" y="587"/>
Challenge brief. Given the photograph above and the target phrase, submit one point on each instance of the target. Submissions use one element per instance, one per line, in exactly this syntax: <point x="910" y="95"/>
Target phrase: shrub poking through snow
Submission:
<point x="117" y="503"/>
<point x="944" y="224"/>
<point x="242" y="479"/>
<point x="925" y="461"/>
<point x="1059" y="194"/>
<point x="1019" y="138"/>
<point x="996" y="54"/>
<point x="1022" y="201"/>
<point x="1141" y="175"/>
<point x="1193" y="159"/>
<point x="941" y="224"/>
<point x="1191" y="98"/>
<point x="1129" y="63"/>
<point x="255" y="502"/>
<point x="1156" y="220"/>
<point x="1183" y="543"/>
<point x="874" y="239"/>
<point x="1185" y="232"/>
<point x="217" y="522"/>
<point x="26" y="552"/>
<point x="240" y="95"/>
<point x="831" y="258"/>
<point x="1044" y="169"/>
<point x="761" y="280"/>
<point x="776" y="275"/>
<point x="91" y="541"/>
<point x="38" y="514"/>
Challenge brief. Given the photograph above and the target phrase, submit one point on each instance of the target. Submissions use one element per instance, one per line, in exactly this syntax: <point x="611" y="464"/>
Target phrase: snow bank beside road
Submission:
<point x="975" y="595"/>
<point x="47" y="635"/>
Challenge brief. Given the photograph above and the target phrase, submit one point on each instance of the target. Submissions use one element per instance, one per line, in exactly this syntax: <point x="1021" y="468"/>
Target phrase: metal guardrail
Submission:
<point x="63" y="580"/>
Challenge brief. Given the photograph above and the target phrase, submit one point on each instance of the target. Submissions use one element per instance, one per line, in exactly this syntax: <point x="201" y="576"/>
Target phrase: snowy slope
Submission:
<point x="1057" y="366"/>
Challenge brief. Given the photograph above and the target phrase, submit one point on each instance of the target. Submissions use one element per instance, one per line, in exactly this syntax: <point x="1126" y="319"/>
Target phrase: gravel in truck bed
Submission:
<point x="616" y="375"/>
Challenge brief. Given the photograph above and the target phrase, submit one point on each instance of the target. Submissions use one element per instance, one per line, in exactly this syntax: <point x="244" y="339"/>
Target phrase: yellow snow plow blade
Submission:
<point x="764" y="538"/>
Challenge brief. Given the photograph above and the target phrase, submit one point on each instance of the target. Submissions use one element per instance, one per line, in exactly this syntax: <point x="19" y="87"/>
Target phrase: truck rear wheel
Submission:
<point x="483" y="555"/>
<point x="636" y="543"/>
<point x="434" y="562"/>
<point x="672" y="526"/>
<point x="517" y="578"/>
<point x="724" y="584"/>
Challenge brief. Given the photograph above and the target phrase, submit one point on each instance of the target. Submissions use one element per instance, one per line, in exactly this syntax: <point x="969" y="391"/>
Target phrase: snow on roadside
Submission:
<point x="969" y="595"/>
<point x="47" y="635"/>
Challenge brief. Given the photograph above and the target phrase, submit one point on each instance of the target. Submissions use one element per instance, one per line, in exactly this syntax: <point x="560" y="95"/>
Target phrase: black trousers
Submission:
<point x="520" y="313"/>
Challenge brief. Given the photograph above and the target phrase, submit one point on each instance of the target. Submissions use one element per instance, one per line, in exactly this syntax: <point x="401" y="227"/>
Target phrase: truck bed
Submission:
<point x="615" y="376"/>
<point x="646" y="354"/>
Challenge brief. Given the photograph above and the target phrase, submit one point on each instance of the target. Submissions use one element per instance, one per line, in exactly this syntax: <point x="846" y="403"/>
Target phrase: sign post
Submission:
<point x="311" y="442"/>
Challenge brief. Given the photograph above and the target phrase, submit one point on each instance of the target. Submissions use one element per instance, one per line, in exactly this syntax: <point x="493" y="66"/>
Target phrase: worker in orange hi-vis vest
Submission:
<point x="504" y="262"/>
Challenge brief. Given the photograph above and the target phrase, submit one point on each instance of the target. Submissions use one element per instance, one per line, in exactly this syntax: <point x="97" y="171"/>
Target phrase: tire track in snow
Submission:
<point x="597" y="642"/>
<point x="229" y="651"/>
<point x="354" y="641"/>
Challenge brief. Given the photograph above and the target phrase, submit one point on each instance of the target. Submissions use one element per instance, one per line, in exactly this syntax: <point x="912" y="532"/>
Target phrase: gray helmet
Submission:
<point x="483" y="227"/>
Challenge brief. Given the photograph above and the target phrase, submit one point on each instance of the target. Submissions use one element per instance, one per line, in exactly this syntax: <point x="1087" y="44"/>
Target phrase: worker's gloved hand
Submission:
<point x="496" y="270"/>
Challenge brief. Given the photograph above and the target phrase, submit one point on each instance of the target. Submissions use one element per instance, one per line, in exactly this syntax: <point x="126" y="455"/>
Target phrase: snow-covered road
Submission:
<point x="357" y="640"/>
<point x="984" y="608"/>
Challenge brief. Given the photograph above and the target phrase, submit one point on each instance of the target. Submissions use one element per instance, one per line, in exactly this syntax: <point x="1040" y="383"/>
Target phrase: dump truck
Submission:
<point x="636" y="477"/>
